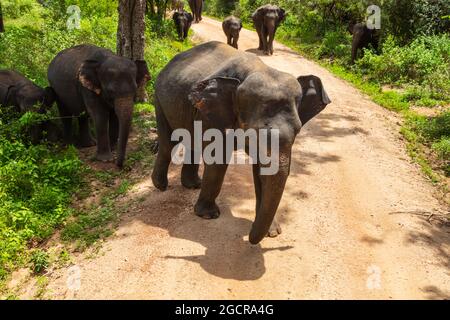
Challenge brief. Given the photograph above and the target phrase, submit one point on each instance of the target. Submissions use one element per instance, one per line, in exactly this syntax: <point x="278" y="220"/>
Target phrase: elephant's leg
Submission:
<point x="270" y="43"/>
<point x="113" y="129"/>
<point x="86" y="139"/>
<point x="165" y="145"/>
<point x="66" y="120"/>
<point x="260" y="36"/>
<point x="264" y="40"/>
<point x="229" y="39"/>
<point x="235" y="41"/>
<point x="67" y="129"/>
<point x="189" y="173"/>
<point x="101" y="119"/>
<point x="212" y="181"/>
<point x="355" y="45"/>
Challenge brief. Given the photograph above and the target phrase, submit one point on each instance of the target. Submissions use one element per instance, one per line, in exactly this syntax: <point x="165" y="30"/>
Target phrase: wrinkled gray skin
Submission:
<point x="90" y="79"/>
<point x="183" y="21"/>
<point x="363" y="37"/>
<point x="266" y="20"/>
<point x="231" y="27"/>
<point x="226" y="88"/>
<point x="196" y="9"/>
<point x="19" y="92"/>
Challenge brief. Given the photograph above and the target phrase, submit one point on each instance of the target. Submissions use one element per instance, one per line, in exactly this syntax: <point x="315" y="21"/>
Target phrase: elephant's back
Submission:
<point x="68" y="61"/>
<point x="63" y="74"/>
<point x="175" y="81"/>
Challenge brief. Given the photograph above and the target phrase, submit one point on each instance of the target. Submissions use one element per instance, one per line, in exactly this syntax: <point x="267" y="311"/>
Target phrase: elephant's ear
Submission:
<point x="189" y="17"/>
<point x="260" y="12"/>
<point x="314" y="98"/>
<point x="142" y="74"/>
<point x="214" y="99"/>
<point x="87" y="76"/>
<point x="175" y="15"/>
<point x="49" y="96"/>
<point x="281" y="14"/>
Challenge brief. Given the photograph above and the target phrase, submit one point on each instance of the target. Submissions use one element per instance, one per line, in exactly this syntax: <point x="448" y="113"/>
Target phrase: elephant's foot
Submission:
<point x="267" y="52"/>
<point x="191" y="183"/>
<point x="104" y="156"/>
<point x="159" y="180"/>
<point x="207" y="209"/>
<point x="274" y="229"/>
<point x="190" y="179"/>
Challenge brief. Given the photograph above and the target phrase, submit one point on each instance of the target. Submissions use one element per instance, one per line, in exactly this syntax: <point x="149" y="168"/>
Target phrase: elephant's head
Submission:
<point x="270" y="15"/>
<point x="115" y="81"/>
<point x="262" y="101"/>
<point x="25" y="96"/>
<point x="235" y="26"/>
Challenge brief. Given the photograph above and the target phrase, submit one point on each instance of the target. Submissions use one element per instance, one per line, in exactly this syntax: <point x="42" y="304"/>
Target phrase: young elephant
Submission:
<point x="183" y="21"/>
<point x="90" y="79"/>
<point x="266" y="20"/>
<point x="231" y="27"/>
<point x="19" y="92"/>
<point x="232" y="89"/>
<point x="363" y="37"/>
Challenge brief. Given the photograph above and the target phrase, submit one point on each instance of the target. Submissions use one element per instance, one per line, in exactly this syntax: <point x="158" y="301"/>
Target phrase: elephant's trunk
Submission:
<point x="124" y="111"/>
<point x="269" y="190"/>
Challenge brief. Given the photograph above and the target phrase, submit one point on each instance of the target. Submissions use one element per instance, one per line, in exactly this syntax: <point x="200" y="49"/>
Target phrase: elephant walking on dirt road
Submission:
<point x="229" y="89"/>
<point x="196" y="9"/>
<point x="90" y="79"/>
<point x="266" y="20"/>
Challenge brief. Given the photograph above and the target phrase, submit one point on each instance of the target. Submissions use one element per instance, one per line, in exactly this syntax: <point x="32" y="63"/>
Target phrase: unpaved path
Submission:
<point x="343" y="235"/>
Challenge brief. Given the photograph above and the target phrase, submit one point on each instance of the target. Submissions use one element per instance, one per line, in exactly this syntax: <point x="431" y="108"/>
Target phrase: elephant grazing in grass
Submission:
<point x="90" y="79"/>
<point x="363" y="37"/>
<point x="229" y="89"/>
<point x="266" y="20"/>
<point x="21" y="93"/>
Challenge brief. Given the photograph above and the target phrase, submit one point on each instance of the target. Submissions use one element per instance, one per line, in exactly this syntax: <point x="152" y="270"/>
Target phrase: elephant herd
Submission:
<point x="214" y="83"/>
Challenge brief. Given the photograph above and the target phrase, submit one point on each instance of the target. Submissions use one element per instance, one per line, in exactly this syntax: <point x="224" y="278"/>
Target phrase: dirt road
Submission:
<point x="349" y="229"/>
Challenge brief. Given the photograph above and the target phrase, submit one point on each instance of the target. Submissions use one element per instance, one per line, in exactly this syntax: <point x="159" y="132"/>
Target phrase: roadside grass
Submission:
<point x="435" y="166"/>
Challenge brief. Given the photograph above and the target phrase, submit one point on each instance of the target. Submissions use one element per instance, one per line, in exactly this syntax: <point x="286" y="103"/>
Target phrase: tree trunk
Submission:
<point x="131" y="35"/>
<point x="2" y="28"/>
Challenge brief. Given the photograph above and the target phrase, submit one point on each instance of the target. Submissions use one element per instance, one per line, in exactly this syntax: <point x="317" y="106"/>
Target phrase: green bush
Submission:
<point x="424" y="62"/>
<point x="336" y="44"/>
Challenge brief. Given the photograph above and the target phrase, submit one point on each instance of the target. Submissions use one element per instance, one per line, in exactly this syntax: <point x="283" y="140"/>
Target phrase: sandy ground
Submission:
<point x="349" y="228"/>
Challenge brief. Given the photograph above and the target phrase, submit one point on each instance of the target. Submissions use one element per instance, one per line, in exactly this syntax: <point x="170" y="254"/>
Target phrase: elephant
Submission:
<point x="93" y="79"/>
<point x="266" y="20"/>
<point x="362" y="38"/>
<point x="225" y="88"/>
<point x="183" y="21"/>
<point x="196" y="9"/>
<point x="231" y="27"/>
<point x="21" y="93"/>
